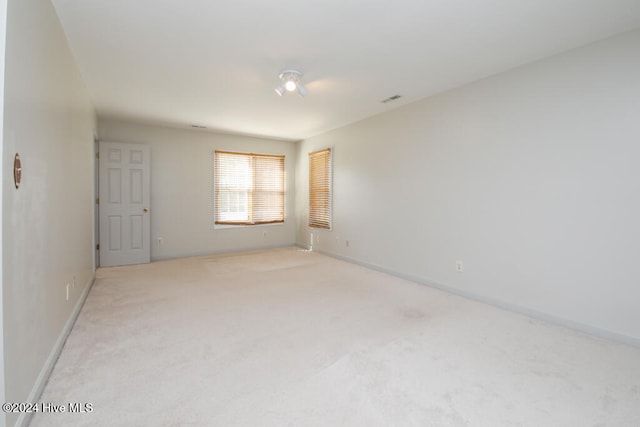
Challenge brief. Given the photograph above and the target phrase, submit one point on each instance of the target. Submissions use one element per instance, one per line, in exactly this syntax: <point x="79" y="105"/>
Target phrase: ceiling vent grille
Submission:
<point x="391" y="98"/>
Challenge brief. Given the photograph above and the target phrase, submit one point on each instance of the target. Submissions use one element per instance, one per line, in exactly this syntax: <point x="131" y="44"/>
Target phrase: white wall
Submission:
<point x="182" y="183"/>
<point x="530" y="177"/>
<point x="47" y="223"/>
<point x="3" y="33"/>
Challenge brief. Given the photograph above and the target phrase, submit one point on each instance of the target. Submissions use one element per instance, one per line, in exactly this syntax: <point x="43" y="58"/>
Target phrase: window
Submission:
<point x="320" y="189"/>
<point x="248" y="188"/>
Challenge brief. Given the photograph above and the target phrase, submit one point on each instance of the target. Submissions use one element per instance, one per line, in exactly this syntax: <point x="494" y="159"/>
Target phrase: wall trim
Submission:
<point x="559" y="321"/>
<point x="38" y="387"/>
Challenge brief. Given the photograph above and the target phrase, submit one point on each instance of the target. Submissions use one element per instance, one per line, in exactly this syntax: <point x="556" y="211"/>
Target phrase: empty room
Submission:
<point x="320" y="213"/>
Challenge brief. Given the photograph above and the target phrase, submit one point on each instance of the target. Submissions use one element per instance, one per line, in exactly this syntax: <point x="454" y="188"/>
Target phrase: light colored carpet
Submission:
<point x="291" y="338"/>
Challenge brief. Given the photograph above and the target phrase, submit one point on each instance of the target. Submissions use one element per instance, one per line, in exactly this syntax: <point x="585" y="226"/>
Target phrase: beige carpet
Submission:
<point x="292" y="338"/>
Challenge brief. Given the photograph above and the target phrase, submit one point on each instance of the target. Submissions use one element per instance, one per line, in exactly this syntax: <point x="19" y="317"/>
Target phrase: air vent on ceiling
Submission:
<point x="198" y="127"/>
<point x="391" y="98"/>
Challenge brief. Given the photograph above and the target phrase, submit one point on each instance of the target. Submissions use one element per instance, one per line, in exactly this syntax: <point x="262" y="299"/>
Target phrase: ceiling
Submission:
<point x="215" y="63"/>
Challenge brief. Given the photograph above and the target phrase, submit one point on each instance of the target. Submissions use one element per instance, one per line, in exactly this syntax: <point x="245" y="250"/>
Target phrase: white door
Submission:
<point x="124" y="204"/>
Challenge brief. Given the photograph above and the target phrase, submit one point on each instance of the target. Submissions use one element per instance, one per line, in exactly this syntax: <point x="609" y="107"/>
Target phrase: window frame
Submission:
<point x="251" y="191"/>
<point x="311" y="222"/>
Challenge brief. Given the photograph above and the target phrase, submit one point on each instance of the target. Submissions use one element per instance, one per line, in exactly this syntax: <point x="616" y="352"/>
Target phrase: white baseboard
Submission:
<point x="45" y="372"/>
<point x="591" y="330"/>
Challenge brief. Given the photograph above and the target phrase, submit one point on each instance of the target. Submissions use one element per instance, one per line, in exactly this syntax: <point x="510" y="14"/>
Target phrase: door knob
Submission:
<point x="145" y="210"/>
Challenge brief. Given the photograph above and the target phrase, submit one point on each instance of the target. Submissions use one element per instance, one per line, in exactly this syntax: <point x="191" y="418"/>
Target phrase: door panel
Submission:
<point x="114" y="186"/>
<point x="124" y="204"/>
<point x="115" y="233"/>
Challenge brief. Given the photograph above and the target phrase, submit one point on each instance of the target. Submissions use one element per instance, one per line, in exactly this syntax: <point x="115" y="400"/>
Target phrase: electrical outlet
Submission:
<point x="160" y="241"/>
<point x="459" y="266"/>
<point x="264" y="234"/>
<point x="346" y="243"/>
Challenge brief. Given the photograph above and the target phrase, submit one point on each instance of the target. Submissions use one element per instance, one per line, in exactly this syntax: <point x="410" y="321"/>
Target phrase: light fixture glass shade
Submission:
<point x="290" y="85"/>
<point x="280" y="90"/>
<point x="302" y="91"/>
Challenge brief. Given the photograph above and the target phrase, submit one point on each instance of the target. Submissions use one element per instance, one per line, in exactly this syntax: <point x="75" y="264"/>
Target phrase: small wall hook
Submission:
<point x="17" y="170"/>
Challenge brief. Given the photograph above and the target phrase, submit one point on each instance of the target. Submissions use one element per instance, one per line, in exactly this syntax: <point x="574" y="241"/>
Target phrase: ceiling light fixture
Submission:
<point x="291" y="80"/>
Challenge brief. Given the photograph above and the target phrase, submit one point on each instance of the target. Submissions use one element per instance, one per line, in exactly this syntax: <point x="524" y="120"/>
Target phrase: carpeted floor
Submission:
<point x="291" y="338"/>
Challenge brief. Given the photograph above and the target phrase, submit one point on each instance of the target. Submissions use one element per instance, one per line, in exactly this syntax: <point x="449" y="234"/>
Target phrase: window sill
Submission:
<point x="228" y="226"/>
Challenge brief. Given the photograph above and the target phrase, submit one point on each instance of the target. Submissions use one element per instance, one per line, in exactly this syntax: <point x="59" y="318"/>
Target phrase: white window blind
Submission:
<point x="248" y="188"/>
<point x="320" y="189"/>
